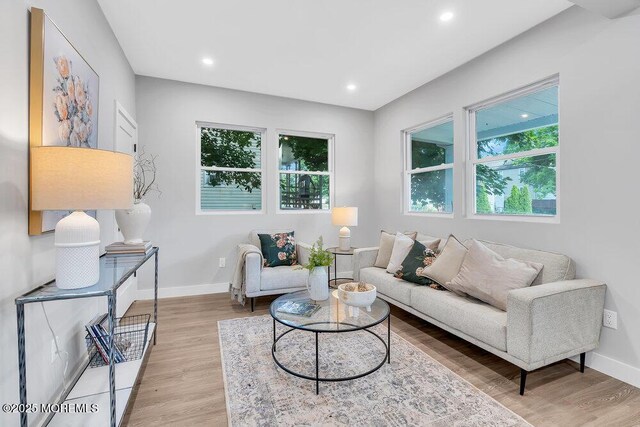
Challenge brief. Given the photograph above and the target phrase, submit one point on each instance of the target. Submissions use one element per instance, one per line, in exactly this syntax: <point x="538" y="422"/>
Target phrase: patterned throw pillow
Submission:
<point x="418" y="258"/>
<point x="278" y="249"/>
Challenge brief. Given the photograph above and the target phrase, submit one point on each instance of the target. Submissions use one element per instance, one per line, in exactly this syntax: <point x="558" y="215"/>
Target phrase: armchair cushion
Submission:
<point x="283" y="277"/>
<point x="278" y="249"/>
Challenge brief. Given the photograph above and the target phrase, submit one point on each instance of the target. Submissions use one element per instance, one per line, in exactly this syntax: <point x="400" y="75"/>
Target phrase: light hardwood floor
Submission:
<point x="182" y="384"/>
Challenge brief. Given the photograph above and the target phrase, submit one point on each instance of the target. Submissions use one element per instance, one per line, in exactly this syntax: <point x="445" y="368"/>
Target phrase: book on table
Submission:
<point x="306" y="309"/>
<point x="122" y="248"/>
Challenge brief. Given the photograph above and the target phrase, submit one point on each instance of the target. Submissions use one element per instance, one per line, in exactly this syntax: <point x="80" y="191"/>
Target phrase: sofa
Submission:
<point x="262" y="281"/>
<point x="557" y="317"/>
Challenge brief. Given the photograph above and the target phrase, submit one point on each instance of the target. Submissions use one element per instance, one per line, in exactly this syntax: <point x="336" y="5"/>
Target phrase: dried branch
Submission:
<point x="144" y="168"/>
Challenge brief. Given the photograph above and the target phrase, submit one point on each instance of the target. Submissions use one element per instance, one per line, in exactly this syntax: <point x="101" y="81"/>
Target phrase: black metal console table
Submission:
<point x="114" y="271"/>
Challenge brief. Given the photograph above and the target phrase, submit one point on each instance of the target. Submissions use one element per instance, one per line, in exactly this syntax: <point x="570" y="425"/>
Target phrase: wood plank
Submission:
<point x="183" y="385"/>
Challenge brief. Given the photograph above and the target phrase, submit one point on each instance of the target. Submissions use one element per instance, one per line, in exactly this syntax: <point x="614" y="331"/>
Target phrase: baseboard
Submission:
<point x="184" y="291"/>
<point x="614" y="368"/>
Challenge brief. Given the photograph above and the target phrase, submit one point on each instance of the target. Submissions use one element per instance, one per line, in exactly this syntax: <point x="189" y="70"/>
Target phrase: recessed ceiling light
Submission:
<point x="351" y="87"/>
<point x="446" y="16"/>
<point x="207" y="61"/>
<point x="524" y="115"/>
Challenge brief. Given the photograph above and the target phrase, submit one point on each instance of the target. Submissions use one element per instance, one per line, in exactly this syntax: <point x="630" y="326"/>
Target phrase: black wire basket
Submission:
<point x="130" y="338"/>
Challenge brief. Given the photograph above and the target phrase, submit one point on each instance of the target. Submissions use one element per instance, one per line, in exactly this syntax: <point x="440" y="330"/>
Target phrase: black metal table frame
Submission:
<point x="337" y="252"/>
<point x="317" y="379"/>
<point x="82" y="293"/>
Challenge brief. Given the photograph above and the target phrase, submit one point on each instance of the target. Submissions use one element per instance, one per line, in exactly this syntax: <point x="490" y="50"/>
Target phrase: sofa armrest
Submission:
<point x="303" y="252"/>
<point x="252" y="271"/>
<point x="362" y="258"/>
<point x="552" y="321"/>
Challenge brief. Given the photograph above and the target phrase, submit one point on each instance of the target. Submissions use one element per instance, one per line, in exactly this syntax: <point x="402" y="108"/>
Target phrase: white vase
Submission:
<point x="133" y="222"/>
<point x="318" y="284"/>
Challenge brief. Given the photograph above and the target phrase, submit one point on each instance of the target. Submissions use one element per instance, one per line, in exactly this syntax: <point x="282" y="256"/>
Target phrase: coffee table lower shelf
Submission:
<point x="317" y="378"/>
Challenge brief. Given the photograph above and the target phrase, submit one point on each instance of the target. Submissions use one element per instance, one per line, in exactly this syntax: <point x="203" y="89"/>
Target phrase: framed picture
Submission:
<point x="63" y="101"/>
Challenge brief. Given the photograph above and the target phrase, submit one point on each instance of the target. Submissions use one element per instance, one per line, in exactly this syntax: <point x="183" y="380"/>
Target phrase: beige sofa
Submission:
<point x="557" y="317"/>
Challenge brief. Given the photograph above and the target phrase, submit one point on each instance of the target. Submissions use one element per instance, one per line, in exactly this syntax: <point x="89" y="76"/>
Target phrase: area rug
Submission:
<point x="413" y="390"/>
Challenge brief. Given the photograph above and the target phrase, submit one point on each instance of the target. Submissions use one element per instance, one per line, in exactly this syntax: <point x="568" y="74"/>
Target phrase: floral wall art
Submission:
<point x="63" y="100"/>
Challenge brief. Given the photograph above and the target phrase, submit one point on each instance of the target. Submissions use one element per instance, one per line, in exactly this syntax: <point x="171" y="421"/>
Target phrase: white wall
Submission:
<point x="27" y="262"/>
<point x="599" y="65"/>
<point x="191" y="244"/>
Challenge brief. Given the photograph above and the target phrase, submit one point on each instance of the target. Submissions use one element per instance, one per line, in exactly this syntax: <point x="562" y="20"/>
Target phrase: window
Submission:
<point x="305" y="171"/>
<point x="230" y="174"/>
<point x="514" y="153"/>
<point x="428" y="178"/>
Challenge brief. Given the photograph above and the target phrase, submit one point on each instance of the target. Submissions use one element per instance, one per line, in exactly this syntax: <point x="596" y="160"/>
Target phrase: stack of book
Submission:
<point x="100" y="338"/>
<point x="117" y="248"/>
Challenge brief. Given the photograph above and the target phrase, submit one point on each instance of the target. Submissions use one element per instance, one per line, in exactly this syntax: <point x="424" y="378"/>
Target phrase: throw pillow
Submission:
<point x="401" y="247"/>
<point x="432" y="244"/>
<point x="278" y="249"/>
<point x="386" y="247"/>
<point x="489" y="277"/>
<point x="447" y="265"/>
<point x="418" y="258"/>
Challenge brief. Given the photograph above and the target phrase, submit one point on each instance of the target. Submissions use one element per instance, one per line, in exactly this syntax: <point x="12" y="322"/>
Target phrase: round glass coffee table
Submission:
<point x="332" y="317"/>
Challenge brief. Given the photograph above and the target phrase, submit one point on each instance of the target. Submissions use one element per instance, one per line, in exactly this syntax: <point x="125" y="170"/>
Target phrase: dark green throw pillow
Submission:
<point x="418" y="258"/>
<point x="278" y="249"/>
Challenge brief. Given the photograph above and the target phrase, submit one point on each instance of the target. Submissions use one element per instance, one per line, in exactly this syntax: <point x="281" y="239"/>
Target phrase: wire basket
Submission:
<point x="130" y="337"/>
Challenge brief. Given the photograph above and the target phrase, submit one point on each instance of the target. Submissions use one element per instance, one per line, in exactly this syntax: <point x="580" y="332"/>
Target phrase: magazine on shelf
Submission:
<point x="100" y="338"/>
<point x="306" y="309"/>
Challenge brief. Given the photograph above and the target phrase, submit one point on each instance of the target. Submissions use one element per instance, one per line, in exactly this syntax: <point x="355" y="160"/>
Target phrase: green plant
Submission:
<point x="483" y="205"/>
<point x="319" y="256"/>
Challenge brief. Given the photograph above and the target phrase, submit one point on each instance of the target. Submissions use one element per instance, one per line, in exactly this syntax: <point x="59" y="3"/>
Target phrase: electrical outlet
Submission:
<point x="222" y="262"/>
<point x="610" y="319"/>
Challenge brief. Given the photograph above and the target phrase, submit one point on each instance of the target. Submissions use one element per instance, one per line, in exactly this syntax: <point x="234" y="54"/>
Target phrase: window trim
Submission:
<point x="472" y="154"/>
<point x="330" y="173"/>
<point x="407" y="171"/>
<point x="199" y="168"/>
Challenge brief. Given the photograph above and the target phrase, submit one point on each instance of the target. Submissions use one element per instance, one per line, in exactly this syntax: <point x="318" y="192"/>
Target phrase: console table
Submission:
<point x="89" y="385"/>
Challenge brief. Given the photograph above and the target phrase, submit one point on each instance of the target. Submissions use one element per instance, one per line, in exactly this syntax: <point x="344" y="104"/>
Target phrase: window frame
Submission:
<point x="330" y="173"/>
<point x="473" y="160"/>
<point x="262" y="170"/>
<point x="407" y="171"/>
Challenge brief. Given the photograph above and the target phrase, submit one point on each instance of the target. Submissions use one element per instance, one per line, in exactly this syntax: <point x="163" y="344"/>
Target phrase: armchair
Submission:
<point x="261" y="280"/>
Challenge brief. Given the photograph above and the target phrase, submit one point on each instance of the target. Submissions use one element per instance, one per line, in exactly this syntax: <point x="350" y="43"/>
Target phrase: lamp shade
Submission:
<point x="346" y="216"/>
<point x="71" y="178"/>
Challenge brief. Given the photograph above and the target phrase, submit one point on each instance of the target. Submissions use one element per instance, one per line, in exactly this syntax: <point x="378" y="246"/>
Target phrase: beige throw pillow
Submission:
<point x="386" y="247"/>
<point x="489" y="277"/>
<point x="447" y="265"/>
<point x="432" y="244"/>
<point x="401" y="248"/>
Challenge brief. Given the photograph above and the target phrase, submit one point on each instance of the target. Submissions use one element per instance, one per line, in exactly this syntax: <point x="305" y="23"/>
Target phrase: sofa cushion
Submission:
<point x="447" y="265"/>
<point x="386" y="246"/>
<point x="278" y="249"/>
<point x="489" y="277"/>
<point x="472" y="317"/>
<point x="401" y="247"/>
<point x="283" y="277"/>
<point x="418" y="258"/>
<point x="388" y="285"/>
<point x="556" y="266"/>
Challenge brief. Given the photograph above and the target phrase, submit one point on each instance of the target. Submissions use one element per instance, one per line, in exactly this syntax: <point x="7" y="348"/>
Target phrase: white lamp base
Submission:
<point x="77" y="242"/>
<point x="344" y="239"/>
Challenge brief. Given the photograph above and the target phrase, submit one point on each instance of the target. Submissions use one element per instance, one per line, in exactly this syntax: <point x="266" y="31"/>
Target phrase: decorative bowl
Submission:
<point x="357" y="298"/>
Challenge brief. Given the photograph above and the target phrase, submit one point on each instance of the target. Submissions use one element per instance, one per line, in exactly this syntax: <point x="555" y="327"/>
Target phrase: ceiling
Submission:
<point x="313" y="49"/>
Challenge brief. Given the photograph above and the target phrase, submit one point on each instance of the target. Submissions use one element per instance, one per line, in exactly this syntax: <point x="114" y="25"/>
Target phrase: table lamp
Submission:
<point x="79" y="179"/>
<point x="346" y="217"/>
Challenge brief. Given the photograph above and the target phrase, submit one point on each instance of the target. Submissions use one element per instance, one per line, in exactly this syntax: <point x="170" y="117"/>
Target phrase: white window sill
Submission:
<point x="447" y="215"/>
<point x="303" y="211"/>
<point x="517" y="218"/>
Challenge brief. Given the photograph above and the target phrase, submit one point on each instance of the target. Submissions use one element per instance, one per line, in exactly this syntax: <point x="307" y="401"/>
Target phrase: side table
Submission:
<point x="336" y="251"/>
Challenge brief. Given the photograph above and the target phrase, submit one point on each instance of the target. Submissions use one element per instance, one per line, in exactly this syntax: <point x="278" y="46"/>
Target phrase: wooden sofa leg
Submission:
<point x="523" y="380"/>
<point x="253" y="304"/>
<point x="582" y="357"/>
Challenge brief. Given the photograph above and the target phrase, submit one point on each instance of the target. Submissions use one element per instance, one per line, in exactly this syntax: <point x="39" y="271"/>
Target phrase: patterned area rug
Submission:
<point x="413" y="390"/>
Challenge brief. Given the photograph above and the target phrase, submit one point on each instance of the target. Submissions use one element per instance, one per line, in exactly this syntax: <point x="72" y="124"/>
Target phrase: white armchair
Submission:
<point x="261" y="280"/>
